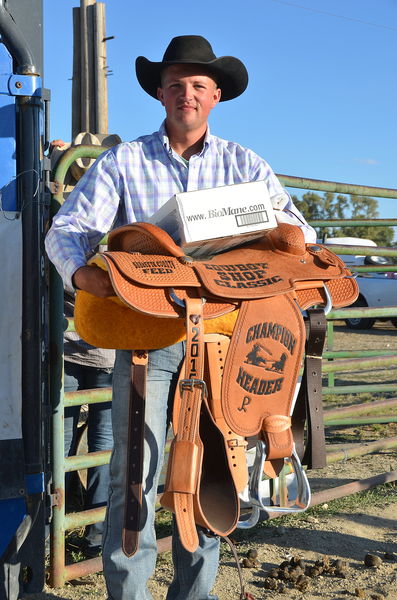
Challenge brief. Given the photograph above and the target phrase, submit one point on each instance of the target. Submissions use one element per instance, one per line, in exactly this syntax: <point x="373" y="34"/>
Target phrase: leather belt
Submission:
<point x="136" y="438"/>
<point x="309" y="402"/>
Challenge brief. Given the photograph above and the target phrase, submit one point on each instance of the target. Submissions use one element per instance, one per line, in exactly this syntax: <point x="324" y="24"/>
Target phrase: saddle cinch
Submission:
<point x="244" y="314"/>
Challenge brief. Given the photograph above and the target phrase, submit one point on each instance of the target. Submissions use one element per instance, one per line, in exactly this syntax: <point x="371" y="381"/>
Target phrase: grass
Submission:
<point x="163" y="523"/>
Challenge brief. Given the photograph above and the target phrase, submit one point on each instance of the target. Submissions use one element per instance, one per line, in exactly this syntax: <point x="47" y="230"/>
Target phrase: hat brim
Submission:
<point x="229" y="72"/>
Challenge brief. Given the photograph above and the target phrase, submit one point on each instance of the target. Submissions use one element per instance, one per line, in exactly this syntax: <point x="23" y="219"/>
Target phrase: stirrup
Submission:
<point x="287" y="493"/>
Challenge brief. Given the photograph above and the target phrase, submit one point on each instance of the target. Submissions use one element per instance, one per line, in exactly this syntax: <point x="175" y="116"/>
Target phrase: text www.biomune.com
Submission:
<point x="215" y="213"/>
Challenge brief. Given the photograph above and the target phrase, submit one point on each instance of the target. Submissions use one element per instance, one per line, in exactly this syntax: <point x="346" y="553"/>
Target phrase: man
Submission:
<point x="129" y="183"/>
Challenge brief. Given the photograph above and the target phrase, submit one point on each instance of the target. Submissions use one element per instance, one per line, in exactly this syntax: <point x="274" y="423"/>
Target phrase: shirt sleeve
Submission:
<point x="284" y="208"/>
<point x="85" y="217"/>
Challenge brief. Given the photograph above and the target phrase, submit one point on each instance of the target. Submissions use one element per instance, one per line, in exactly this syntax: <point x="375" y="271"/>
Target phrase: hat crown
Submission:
<point x="189" y="48"/>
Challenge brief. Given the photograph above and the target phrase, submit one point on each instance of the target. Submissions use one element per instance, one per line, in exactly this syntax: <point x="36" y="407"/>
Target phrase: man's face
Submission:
<point x="188" y="95"/>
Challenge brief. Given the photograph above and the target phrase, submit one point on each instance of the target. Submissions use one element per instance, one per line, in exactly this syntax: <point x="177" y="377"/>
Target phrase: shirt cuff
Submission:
<point x="69" y="268"/>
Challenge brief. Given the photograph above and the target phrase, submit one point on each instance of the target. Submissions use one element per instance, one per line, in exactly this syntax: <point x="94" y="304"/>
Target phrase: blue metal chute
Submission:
<point x="24" y="410"/>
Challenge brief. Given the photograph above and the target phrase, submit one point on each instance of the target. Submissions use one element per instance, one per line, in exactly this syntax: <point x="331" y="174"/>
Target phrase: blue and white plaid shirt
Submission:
<point x="132" y="180"/>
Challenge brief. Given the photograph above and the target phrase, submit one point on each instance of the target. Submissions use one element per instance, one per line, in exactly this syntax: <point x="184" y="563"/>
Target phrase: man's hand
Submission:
<point x="94" y="280"/>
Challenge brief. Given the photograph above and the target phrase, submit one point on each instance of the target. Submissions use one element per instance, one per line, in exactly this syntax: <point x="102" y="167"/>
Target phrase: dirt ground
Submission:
<point x="346" y="532"/>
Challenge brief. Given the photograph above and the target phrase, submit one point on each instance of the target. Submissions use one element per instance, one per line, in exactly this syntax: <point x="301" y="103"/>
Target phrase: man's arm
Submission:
<point x="80" y="224"/>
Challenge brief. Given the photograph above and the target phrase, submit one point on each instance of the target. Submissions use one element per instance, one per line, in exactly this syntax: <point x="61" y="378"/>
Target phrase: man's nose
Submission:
<point x="187" y="92"/>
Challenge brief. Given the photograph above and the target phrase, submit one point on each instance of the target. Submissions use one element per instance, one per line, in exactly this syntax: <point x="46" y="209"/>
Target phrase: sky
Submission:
<point x="322" y="95"/>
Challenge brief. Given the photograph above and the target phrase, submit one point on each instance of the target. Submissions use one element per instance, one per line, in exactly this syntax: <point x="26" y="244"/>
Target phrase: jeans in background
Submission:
<point x="99" y="437"/>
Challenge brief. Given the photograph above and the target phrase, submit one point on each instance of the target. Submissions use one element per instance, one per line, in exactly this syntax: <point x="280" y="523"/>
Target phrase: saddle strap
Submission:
<point x="136" y="436"/>
<point x="186" y="451"/>
<point x="309" y="402"/>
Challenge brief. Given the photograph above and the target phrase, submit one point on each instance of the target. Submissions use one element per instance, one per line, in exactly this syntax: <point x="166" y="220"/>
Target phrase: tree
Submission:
<point x="329" y="207"/>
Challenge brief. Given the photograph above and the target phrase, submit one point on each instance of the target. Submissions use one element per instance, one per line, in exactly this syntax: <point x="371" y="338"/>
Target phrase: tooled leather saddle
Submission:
<point x="248" y="319"/>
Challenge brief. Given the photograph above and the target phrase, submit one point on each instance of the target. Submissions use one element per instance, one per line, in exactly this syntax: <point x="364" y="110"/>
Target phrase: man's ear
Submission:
<point x="217" y="96"/>
<point x="160" y="95"/>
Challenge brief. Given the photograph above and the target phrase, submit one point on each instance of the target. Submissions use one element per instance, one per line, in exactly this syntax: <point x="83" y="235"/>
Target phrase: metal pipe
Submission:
<point x="88" y="396"/>
<point x="58" y="571"/>
<point x="64" y="163"/>
<point x="357" y="408"/>
<point x="354" y="364"/>
<point x="361" y="250"/>
<point x="84" y="517"/>
<point x="85" y="461"/>
<point x="389" y="269"/>
<point x="95" y="565"/>
<point x="356" y="353"/>
<point x="330" y="345"/>
<point x="84" y="567"/>
<point x="360" y="450"/>
<point x="333" y="186"/>
<point x="353" y="222"/>
<point x="352" y="488"/>
<point x="358" y="389"/>
<point x="348" y="313"/>
<point x="358" y="420"/>
<point x="16" y="44"/>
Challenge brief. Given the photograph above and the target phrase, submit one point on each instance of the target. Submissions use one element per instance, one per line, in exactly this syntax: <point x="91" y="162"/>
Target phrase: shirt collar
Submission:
<point x="164" y="137"/>
<point x="166" y="142"/>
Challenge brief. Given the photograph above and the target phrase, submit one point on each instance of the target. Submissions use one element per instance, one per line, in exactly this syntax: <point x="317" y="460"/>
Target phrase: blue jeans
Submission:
<point x="126" y="578"/>
<point x="99" y="437"/>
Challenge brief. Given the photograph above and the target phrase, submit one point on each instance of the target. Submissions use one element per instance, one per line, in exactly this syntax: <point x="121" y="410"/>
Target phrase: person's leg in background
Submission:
<point x="73" y="376"/>
<point x="99" y="437"/>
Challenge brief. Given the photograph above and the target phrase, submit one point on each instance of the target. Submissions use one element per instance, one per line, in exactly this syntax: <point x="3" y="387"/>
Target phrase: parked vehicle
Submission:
<point x="376" y="289"/>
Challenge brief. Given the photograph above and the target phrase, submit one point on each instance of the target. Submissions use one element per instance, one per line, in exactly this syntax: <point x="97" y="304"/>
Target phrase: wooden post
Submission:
<point x="76" y="121"/>
<point x="88" y="103"/>
<point x="89" y="90"/>
<point x="101" y="90"/>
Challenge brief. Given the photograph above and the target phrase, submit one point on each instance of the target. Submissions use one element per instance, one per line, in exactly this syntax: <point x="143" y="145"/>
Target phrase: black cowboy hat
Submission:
<point x="229" y="72"/>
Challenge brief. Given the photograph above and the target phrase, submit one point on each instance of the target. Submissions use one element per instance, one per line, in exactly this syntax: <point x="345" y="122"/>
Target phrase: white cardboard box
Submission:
<point x="208" y="221"/>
